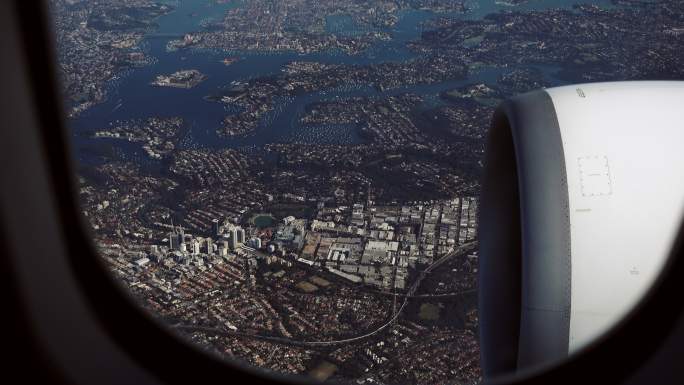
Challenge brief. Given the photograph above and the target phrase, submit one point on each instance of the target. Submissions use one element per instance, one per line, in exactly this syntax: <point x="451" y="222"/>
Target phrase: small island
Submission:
<point x="181" y="79"/>
<point x="230" y="60"/>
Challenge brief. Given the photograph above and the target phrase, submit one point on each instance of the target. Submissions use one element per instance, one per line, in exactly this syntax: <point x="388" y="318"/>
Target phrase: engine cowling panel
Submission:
<point x="582" y="195"/>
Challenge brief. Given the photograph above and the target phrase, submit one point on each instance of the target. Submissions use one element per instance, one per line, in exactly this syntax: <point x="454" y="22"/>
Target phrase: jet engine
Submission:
<point x="582" y="196"/>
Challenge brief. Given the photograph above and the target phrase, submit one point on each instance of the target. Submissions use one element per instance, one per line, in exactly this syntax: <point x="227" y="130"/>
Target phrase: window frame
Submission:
<point x="175" y="361"/>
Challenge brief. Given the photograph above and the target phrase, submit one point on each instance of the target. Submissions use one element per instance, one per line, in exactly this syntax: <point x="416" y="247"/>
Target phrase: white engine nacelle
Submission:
<point x="583" y="195"/>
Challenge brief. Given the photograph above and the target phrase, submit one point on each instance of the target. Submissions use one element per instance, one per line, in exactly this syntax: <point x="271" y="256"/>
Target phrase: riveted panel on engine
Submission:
<point x="595" y="178"/>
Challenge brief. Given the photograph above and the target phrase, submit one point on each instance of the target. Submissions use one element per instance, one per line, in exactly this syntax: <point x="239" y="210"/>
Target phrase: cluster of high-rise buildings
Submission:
<point x="369" y="245"/>
<point x="229" y="238"/>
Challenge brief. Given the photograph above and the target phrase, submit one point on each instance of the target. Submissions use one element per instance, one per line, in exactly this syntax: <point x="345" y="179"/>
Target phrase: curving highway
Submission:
<point x="288" y="341"/>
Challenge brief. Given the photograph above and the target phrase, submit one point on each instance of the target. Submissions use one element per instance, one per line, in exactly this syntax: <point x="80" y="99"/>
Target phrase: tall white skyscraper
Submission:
<point x="233" y="238"/>
<point x="174" y="241"/>
<point x="216" y="226"/>
<point x="210" y="246"/>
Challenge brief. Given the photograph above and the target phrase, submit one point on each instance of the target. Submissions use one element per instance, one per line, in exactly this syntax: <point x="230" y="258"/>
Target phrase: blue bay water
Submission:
<point x="131" y="97"/>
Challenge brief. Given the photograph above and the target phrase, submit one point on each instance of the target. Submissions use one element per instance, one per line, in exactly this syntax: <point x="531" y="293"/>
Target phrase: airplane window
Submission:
<point x="294" y="184"/>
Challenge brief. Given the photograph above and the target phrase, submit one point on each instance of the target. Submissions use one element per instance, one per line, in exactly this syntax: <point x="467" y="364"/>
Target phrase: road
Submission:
<point x="410" y="294"/>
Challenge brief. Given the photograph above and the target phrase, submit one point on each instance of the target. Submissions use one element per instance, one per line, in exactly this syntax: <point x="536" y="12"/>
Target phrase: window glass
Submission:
<point x="294" y="184"/>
